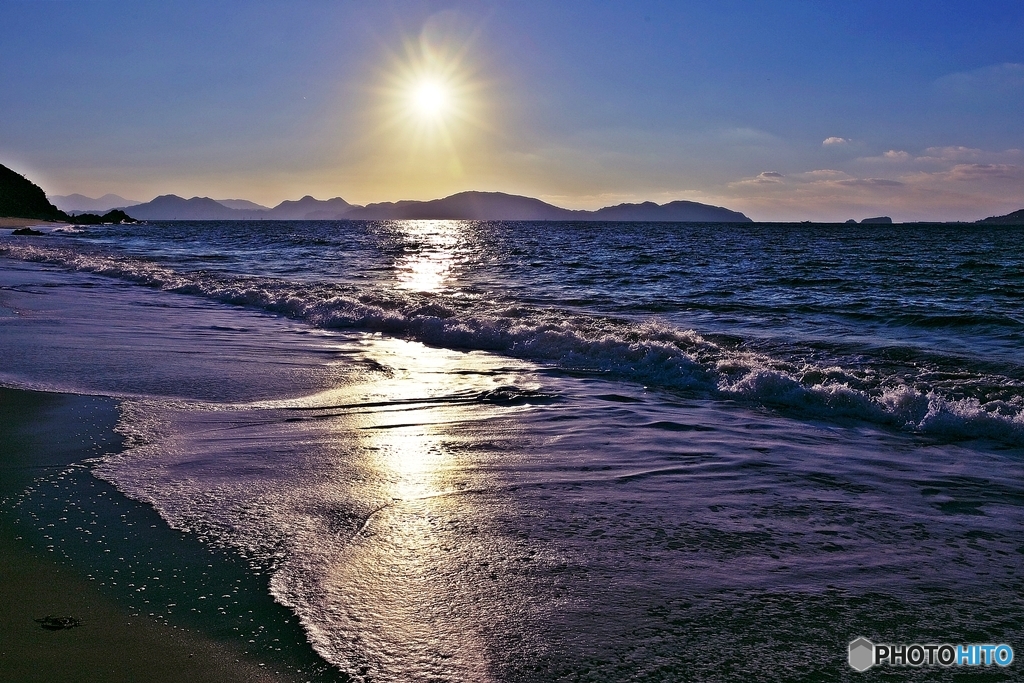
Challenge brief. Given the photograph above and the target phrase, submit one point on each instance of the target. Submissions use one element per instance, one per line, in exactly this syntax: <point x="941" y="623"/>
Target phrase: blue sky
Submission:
<point x="785" y="110"/>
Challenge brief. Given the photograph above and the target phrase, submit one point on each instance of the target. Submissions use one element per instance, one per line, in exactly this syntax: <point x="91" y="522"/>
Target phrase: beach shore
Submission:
<point x="24" y="222"/>
<point x="41" y="433"/>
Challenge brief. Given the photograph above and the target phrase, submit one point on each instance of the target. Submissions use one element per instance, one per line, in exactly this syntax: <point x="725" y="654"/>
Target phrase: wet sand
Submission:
<point x="38" y="433"/>
<point x="24" y="222"/>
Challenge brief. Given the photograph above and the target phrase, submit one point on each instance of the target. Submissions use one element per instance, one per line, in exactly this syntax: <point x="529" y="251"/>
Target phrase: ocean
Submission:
<point x="507" y="451"/>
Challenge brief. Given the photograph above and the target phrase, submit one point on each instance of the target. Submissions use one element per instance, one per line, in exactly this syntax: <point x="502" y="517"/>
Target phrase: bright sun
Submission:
<point x="430" y="99"/>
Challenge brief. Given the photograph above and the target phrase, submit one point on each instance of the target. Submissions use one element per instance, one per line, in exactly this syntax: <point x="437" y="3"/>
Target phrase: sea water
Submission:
<point x="562" y="451"/>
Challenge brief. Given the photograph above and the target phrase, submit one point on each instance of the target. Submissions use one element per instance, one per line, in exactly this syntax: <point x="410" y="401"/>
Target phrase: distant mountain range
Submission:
<point x="244" y="204"/>
<point x="79" y="203"/>
<point x="464" y="205"/>
<point x="20" y="197"/>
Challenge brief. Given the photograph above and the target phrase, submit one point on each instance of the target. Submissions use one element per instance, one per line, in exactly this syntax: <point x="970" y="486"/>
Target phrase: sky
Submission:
<point x="785" y="110"/>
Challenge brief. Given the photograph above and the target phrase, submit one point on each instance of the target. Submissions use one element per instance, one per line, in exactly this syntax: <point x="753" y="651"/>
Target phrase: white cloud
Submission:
<point x="897" y="155"/>
<point x="833" y="141"/>
<point x="822" y="174"/>
<point x="959" y="154"/>
<point x="971" y="172"/>
<point x="950" y="153"/>
<point x="763" y="178"/>
<point x="891" y="156"/>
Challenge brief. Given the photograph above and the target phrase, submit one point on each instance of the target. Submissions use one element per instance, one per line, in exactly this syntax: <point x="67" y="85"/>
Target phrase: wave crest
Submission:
<point x="649" y="352"/>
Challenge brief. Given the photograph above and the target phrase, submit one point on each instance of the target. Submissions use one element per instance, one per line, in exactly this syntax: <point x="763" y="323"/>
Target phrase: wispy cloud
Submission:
<point x="973" y="172"/>
<point x="959" y="154"/>
<point x="992" y="79"/>
<point x="891" y="156"/>
<point x="824" y="178"/>
<point x="868" y="182"/>
<point x="763" y="178"/>
<point x="945" y="157"/>
<point x="943" y="183"/>
<point x="821" y="174"/>
<point x="834" y="141"/>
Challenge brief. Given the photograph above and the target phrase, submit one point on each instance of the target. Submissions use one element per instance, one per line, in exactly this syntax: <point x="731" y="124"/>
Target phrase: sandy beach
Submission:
<point x="25" y="222"/>
<point x="39" y="434"/>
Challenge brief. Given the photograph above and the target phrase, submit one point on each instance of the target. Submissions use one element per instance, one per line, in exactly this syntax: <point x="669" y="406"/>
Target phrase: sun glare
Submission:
<point x="430" y="99"/>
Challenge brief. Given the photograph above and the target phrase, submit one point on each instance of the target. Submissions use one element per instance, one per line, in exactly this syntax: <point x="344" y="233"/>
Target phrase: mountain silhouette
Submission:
<point x="308" y="208"/>
<point x="1015" y="218"/>
<point x="172" y="207"/>
<point x="77" y="203"/>
<point x="21" y="198"/>
<point x="470" y="205"/>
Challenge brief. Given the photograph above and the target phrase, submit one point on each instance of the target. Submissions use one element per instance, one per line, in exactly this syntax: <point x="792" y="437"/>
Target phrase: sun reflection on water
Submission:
<point x="428" y="262"/>
<point x="407" y="440"/>
<point x="402" y="581"/>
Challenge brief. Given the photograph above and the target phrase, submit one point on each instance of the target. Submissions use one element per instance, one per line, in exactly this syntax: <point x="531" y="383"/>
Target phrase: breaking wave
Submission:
<point x="949" y="406"/>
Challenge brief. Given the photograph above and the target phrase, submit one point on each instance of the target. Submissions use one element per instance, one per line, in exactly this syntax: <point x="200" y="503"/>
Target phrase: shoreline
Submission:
<point x="41" y="434"/>
<point x="27" y="223"/>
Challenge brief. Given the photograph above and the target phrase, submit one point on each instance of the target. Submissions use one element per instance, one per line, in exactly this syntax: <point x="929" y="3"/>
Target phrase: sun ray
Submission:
<point x="430" y="103"/>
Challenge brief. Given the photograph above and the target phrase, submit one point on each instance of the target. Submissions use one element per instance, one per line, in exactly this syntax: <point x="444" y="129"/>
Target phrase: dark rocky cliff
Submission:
<point x="21" y="198"/>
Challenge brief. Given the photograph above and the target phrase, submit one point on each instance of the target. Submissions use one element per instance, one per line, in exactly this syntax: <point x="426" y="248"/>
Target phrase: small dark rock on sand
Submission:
<point x="53" y="623"/>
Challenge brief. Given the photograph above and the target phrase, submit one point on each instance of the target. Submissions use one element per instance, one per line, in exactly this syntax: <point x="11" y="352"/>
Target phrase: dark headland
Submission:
<point x="1015" y="218"/>
<point x="21" y="198"/>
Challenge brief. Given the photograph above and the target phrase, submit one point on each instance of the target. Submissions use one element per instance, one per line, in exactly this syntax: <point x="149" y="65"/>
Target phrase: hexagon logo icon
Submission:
<point x="862" y="654"/>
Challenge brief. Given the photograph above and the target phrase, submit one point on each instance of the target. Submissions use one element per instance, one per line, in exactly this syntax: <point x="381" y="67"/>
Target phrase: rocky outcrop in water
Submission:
<point x="115" y="216"/>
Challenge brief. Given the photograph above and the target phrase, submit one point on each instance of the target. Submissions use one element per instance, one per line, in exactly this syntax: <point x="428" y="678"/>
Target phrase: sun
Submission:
<point x="432" y="87"/>
<point x="431" y="103"/>
<point x="430" y="99"/>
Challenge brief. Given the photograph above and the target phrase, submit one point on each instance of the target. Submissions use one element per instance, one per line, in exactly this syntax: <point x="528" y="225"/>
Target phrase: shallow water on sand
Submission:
<point x="434" y="513"/>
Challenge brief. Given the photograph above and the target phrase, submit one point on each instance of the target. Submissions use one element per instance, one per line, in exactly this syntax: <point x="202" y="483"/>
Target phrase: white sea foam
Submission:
<point x="440" y="514"/>
<point x="422" y="532"/>
<point x="648" y="352"/>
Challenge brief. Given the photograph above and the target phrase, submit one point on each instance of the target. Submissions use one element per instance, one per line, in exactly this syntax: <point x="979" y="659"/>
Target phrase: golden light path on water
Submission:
<point x="427" y="267"/>
<point x="381" y="500"/>
<point x="401" y="584"/>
